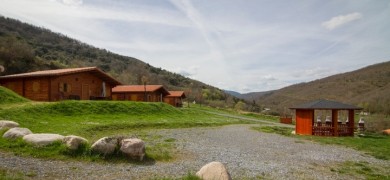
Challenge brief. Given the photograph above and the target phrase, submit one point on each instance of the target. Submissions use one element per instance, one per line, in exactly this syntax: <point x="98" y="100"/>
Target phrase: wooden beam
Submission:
<point x="334" y="122"/>
<point x="312" y="121"/>
<point x="49" y="88"/>
<point x="351" y="121"/>
<point x="23" y="87"/>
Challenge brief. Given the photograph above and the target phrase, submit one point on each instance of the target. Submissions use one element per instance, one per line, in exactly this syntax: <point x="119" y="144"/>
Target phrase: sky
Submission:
<point x="239" y="45"/>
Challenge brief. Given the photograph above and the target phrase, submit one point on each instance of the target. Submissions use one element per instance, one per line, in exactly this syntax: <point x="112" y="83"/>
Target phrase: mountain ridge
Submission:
<point x="367" y="87"/>
<point x="26" y="48"/>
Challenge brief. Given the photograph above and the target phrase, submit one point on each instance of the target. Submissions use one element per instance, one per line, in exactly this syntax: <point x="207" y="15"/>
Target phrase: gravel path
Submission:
<point x="246" y="153"/>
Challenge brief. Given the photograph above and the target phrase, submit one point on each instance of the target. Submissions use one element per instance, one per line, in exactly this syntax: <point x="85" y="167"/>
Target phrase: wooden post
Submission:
<point x="351" y="121"/>
<point x="312" y="121"/>
<point x="49" y="88"/>
<point x="334" y="122"/>
<point x="24" y="87"/>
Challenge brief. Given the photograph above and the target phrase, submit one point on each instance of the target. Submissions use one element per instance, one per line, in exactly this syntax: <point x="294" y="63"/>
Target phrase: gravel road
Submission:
<point x="246" y="153"/>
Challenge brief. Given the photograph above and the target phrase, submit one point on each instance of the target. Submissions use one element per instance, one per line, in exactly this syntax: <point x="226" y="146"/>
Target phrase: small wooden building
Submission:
<point x="175" y="98"/>
<point x="146" y="93"/>
<point x="53" y="85"/>
<point x="332" y="126"/>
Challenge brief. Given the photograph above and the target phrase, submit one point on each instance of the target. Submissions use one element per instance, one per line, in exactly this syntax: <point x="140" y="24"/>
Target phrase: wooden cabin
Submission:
<point x="329" y="118"/>
<point x="175" y="98"/>
<point x="53" y="85"/>
<point x="146" y="93"/>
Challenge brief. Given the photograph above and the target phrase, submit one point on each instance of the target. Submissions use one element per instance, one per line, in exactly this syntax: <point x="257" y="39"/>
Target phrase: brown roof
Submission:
<point x="326" y="104"/>
<point x="177" y="94"/>
<point x="58" y="72"/>
<point x="139" y="88"/>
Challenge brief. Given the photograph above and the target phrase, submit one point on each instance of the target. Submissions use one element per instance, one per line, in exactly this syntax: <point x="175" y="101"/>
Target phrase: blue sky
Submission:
<point x="245" y="46"/>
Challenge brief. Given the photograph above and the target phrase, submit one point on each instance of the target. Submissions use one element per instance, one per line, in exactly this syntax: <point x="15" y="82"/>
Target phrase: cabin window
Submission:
<point x="36" y="86"/>
<point x="65" y="87"/>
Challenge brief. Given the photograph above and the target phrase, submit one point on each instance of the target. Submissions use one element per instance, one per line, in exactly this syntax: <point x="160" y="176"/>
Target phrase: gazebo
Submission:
<point x="333" y="126"/>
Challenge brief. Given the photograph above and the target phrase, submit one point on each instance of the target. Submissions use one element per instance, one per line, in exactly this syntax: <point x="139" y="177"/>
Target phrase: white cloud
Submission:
<point x="232" y="45"/>
<point x="338" y="21"/>
<point x="72" y="2"/>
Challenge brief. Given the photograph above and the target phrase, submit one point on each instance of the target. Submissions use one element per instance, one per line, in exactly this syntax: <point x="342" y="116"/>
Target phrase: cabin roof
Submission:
<point x="176" y="94"/>
<point x="326" y="104"/>
<point x="139" y="88"/>
<point x="58" y="72"/>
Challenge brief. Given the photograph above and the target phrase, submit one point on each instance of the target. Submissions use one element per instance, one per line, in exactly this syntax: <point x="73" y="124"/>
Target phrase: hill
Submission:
<point x="27" y="48"/>
<point x="8" y="97"/>
<point x="368" y="88"/>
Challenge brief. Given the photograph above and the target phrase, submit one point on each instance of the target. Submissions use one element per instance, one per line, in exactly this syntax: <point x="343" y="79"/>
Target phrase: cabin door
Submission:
<point x="85" y="92"/>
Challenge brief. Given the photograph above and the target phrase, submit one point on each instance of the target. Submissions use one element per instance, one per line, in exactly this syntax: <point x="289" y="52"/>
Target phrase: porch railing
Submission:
<point x="328" y="130"/>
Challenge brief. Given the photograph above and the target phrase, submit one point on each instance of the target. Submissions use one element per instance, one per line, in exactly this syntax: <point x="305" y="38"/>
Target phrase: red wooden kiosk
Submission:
<point x="305" y="124"/>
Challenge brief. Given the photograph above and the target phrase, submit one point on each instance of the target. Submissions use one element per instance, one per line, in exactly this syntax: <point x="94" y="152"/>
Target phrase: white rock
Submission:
<point x="214" y="171"/>
<point x="16" y="132"/>
<point x="42" y="139"/>
<point x="73" y="142"/>
<point x="8" y="124"/>
<point x="293" y="132"/>
<point x="133" y="147"/>
<point x="105" y="145"/>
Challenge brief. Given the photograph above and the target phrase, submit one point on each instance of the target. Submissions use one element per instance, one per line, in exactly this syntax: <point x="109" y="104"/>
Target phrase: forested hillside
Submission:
<point x="26" y="48"/>
<point x="368" y="88"/>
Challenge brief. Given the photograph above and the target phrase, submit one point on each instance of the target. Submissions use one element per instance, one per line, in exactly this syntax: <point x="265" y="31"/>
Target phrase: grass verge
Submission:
<point x="376" y="145"/>
<point x="358" y="170"/>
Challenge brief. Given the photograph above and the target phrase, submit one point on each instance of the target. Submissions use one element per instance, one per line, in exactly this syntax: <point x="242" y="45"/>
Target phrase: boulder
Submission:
<point x="386" y="132"/>
<point x="16" y="132"/>
<point x="8" y="124"/>
<point x="42" y="139"/>
<point x="105" y="145"/>
<point x="214" y="171"/>
<point x="133" y="148"/>
<point x="74" y="142"/>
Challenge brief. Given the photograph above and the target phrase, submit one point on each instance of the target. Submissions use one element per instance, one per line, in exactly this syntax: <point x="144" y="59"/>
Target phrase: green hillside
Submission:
<point x="8" y="97"/>
<point x="27" y="48"/>
<point x="368" y="88"/>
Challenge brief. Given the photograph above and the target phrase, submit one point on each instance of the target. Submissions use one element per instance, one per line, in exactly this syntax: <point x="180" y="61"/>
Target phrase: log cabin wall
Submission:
<point x="174" y="101"/>
<point x="128" y="96"/>
<point x="83" y="85"/>
<point x="137" y="96"/>
<point x="37" y="89"/>
<point x="14" y="85"/>
<point x="170" y="100"/>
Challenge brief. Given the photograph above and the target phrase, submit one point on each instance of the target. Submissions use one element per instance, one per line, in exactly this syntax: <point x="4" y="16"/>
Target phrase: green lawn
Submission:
<point x="96" y="119"/>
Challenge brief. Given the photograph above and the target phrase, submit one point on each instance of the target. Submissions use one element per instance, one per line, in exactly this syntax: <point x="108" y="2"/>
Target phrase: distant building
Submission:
<point x="175" y="98"/>
<point x="147" y="93"/>
<point x="53" y="85"/>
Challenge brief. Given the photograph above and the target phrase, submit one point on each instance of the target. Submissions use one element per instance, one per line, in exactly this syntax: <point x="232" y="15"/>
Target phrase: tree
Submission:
<point x="144" y="80"/>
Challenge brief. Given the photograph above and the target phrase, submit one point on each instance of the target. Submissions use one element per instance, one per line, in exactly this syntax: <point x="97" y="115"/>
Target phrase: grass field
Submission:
<point x="96" y="119"/>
